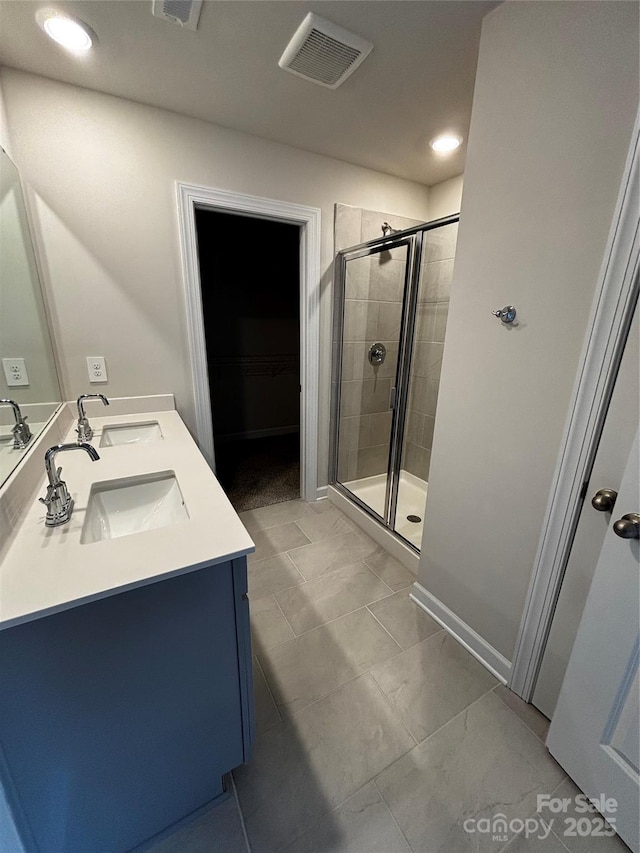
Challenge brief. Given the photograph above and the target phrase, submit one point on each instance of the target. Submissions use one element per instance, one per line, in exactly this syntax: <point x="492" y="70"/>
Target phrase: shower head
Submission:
<point x="387" y="230"/>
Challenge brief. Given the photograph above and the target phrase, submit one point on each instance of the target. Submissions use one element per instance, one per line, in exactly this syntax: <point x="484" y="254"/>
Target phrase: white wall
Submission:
<point x="554" y="105"/>
<point x="4" y="124"/>
<point x="445" y="198"/>
<point x="103" y="173"/>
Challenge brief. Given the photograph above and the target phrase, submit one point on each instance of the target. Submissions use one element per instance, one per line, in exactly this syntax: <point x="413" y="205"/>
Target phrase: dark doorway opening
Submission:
<point x="250" y="283"/>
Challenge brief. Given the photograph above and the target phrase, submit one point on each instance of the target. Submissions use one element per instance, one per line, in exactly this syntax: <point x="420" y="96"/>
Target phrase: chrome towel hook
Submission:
<point x="506" y="314"/>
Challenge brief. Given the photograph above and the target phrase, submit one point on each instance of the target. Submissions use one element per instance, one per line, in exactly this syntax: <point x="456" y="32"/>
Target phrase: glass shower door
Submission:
<point x="374" y="285"/>
<point x="431" y="307"/>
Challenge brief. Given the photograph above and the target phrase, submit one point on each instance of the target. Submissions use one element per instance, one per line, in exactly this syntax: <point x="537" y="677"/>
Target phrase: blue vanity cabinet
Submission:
<point x="121" y="716"/>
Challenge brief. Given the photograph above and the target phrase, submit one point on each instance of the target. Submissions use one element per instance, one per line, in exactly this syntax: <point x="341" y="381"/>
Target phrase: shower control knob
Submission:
<point x="506" y="314"/>
<point x="377" y="353"/>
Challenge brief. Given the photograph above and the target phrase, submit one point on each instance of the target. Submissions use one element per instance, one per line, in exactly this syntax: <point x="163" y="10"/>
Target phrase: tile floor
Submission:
<point x="377" y="732"/>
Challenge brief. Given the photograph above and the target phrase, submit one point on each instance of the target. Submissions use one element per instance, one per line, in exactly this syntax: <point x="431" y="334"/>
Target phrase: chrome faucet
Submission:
<point x="85" y="433"/>
<point x="58" y="501"/>
<point x="21" y="432"/>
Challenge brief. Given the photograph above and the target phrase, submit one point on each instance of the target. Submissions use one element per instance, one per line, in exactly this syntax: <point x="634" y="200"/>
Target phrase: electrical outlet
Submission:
<point x="15" y="371"/>
<point x="97" y="368"/>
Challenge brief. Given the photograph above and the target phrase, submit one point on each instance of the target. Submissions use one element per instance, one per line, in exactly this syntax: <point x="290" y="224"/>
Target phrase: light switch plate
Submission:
<point x="15" y="371"/>
<point x="97" y="368"/>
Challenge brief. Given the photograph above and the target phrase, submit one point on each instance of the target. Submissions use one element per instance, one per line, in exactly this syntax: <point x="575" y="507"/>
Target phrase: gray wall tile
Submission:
<point x="416" y="460"/>
<point x="372" y="460"/>
<point x="365" y="397"/>
<point x="357" y="279"/>
<point x="347" y="226"/>
<point x="427" y="359"/>
<point x="389" y="320"/>
<point x="427" y="434"/>
<point x="425" y="321"/>
<point x="424" y="395"/>
<point x="440" y="243"/>
<point x="360" y="320"/>
<point x="440" y="328"/>
<point x="380" y="428"/>
<point x="387" y="278"/>
<point x="435" y="281"/>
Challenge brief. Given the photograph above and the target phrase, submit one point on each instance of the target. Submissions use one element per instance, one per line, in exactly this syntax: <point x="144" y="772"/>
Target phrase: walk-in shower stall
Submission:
<point x="392" y="300"/>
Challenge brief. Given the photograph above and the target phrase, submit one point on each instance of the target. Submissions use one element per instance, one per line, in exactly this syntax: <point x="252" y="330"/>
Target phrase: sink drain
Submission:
<point x="414" y="518"/>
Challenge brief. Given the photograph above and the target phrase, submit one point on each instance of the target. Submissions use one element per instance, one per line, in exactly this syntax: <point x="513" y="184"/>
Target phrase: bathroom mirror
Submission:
<point x="27" y="368"/>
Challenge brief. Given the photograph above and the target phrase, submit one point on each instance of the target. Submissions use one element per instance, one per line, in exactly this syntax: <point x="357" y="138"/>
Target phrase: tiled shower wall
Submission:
<point x="373" y="309"/>
<point x="431" y="322"/>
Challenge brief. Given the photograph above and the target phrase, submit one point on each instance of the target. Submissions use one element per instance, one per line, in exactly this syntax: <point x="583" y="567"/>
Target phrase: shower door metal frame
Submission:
<point x="373" y="247"/>
<point x="413" y="238"/>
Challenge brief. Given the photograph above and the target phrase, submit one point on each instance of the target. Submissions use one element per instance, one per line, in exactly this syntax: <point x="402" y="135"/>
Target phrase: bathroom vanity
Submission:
<point x="125" y="656"/>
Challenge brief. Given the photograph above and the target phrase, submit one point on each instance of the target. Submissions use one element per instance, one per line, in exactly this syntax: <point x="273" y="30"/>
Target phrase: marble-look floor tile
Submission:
<point x="484" y="762"/>
<point x="331" y="596"/>
<point x="300" y="771"/>
<point x="267" y="714"/>
<point x="431" y="682"/>
<point x="273" y="515"/>
<point x="530" y="716"/>
<point x="218" y="830"/>
<point x="391" y="571"/>
<point x="536" y="843"/>
<point x="333" y="553"/>
<point x="272" y="574"/>
<point x="590" y="843"/>
<point x="276" y="540"/>
<point x="361" y="825"/>
<point x="303" y="670"/>
<point x="269" y="628"/>
<point x="320" y="506"/>
<point x="319" y="525"/>
<point x="407" y="623"/>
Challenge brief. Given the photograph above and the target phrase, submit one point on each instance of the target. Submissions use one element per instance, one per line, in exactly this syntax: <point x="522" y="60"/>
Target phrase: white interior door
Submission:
<point x="595" y="729"/>
<point x="608" y="469"/>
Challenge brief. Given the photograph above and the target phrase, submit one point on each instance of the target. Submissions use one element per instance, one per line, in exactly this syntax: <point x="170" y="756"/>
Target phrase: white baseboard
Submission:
<point x="321" y="492"/>
<point x="483" y="651"/>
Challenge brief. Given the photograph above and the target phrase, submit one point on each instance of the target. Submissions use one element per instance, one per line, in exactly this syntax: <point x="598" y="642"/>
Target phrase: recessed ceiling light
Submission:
<point x="69" y="32"/>
<point x="445" y="143"/>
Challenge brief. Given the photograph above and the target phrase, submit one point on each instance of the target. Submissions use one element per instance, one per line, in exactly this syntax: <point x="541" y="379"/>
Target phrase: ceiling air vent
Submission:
<point x="324" y="52"/>
<point x="184" y="13"/>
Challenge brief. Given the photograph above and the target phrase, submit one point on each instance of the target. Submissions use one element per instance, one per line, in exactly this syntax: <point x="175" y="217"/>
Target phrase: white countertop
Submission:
<point x="46" y="570"/>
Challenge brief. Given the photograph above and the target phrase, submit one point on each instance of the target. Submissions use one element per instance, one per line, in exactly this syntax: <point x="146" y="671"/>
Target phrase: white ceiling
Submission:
<point x="416" y="83"/>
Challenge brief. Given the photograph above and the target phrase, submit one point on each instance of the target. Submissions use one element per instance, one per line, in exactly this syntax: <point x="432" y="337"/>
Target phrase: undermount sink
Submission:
<point x="133" y="505"/>
<point x="117" y="434"/>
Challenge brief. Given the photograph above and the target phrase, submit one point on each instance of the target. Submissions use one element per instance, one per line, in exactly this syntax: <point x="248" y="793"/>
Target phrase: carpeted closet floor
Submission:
<point x="259" y="471"/>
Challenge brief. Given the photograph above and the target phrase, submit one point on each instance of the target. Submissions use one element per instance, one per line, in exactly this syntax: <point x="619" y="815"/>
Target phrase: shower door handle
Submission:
<point x="392" y="397"/>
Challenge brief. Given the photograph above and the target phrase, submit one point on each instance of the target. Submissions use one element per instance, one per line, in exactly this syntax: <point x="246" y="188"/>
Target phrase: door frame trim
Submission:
<point x="307" y="218"/>
<point x="610" y="317"/>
